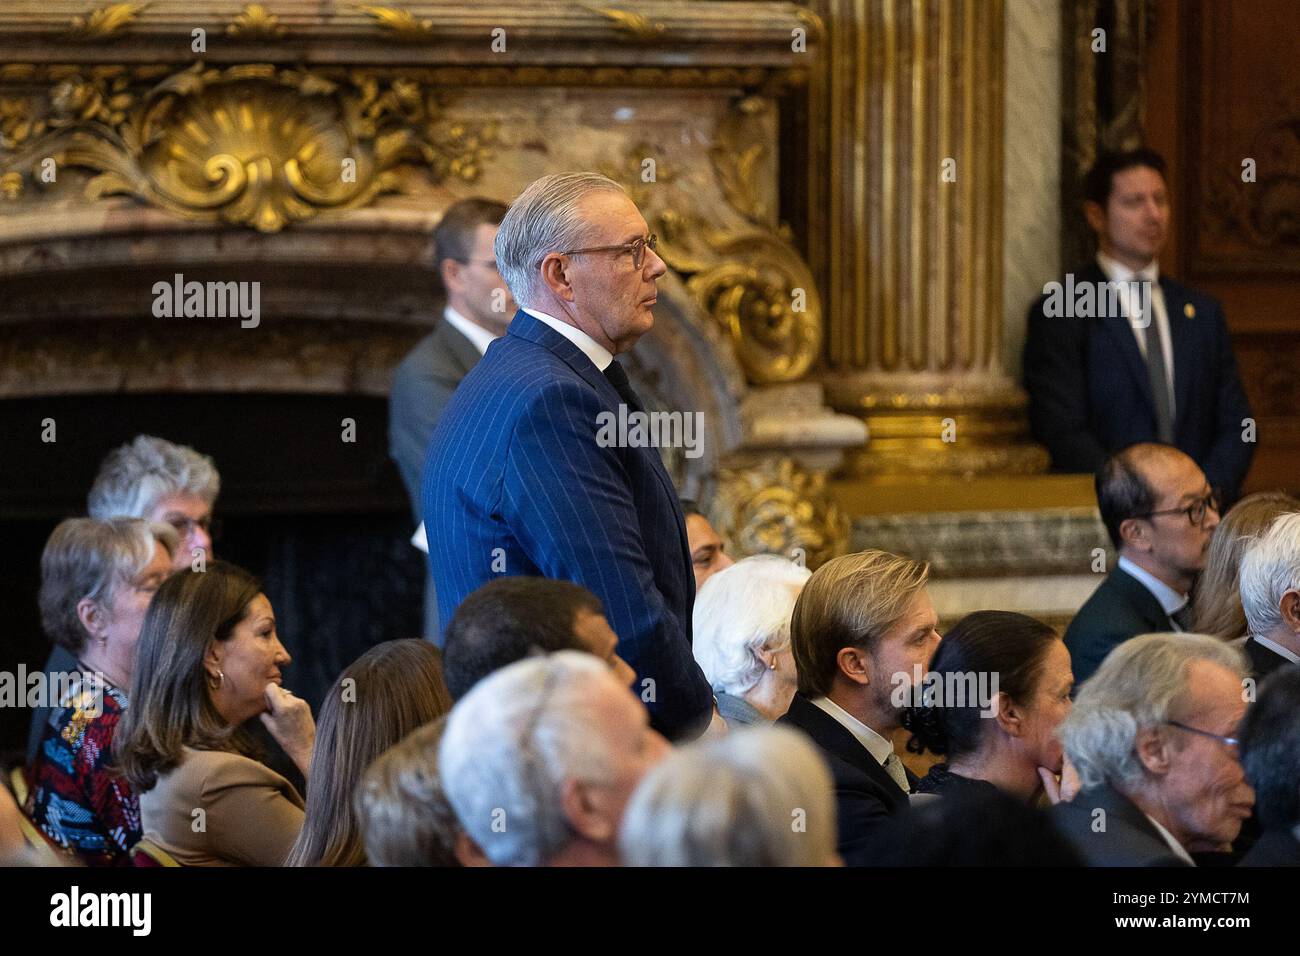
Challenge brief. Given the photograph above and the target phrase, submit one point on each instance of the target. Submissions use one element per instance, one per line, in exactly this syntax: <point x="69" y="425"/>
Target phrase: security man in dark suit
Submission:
<point x="479" y="307"/>
<point x="862" y="632"/>
<point x="1117" y="354"/>
<point x="1160" y="512"/>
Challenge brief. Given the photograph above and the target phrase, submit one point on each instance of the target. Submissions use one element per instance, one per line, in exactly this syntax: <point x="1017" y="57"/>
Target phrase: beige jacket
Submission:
<point x="250" y="814"/>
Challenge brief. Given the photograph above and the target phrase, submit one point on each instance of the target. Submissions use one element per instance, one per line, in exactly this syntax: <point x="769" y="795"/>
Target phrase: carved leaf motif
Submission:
<point x="256" y="22"/>
<point x="401" y="22"/>
<point x="635" y="24"/>
<point x="102" y="23"/>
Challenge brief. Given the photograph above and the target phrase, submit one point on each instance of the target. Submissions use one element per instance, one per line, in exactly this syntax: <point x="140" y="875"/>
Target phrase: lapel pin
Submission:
<point x="1189" y="310"/>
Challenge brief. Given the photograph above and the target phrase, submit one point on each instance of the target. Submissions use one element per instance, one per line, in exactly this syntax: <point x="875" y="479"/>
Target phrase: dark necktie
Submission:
<point x="618" y="378"/>
<point x="1158" y="375"/>
<point x="1183" y="616"/>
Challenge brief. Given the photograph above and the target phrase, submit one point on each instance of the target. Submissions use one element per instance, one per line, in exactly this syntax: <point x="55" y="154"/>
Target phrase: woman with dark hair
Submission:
<point x="209" y="660"/>
<point x="999" y="686"/>
<point x="387" y="693"/>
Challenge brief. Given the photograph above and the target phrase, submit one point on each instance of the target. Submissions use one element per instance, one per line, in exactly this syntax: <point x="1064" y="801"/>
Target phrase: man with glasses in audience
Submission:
<point x="521" y="477"/>
<point x="1153" y="736"/>
<point x="1160" y="512"/>
<point x="478" y="309"/>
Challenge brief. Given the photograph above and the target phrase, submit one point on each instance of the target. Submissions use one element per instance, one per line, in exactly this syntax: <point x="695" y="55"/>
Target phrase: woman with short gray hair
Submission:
<point x="97" y="579"/>
<point x="761" y="796"/>
<point x="741" y="626"/>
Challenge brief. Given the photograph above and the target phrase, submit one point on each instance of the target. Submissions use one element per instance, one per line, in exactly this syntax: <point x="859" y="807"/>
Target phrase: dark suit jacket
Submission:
<point x="517" y="483"/>
<point x="865" y="795"/>
<point x="1120" y="608"/>
<point x="1128" y="839"/>
<point x="1274" y="848"/>
<point x="422" y="387"/>
<point x="1089" y="394"/>
<point x="1263" y="661"/>
<point x="60" y="661"/>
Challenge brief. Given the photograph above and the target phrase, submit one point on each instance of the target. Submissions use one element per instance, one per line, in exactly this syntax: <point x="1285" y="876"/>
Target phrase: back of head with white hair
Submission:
<point x="544" y="218"/>
<point x="1269" y="568"/>
<point x="1138" y="686"/>
<point x="760" y="796"/>
<point x="741" y="610"/>
<point x="134" y="477"/>
<point x="510" y="744"/>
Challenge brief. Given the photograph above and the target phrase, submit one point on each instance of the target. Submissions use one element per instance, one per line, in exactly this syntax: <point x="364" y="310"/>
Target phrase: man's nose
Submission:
<point x="199" y="538"/>
<point x="657" y="266"/>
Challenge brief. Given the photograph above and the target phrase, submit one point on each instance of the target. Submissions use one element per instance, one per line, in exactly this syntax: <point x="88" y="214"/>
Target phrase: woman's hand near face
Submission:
<point x="289" y="720"/>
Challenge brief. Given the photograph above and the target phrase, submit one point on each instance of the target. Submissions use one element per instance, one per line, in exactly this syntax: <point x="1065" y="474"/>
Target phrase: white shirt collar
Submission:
<point x="1116" y="271"/>
<point x="1276" y="648"/>
<point x="1170" y="600"/>
<point x="879" y="747"/>
<point x="1174" y="845"/>
<point x="478" y="336"/>
<point x="599" y="355"/>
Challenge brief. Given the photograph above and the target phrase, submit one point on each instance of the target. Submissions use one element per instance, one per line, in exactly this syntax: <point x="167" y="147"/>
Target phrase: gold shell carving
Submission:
<point x="765" y="299"/>
<point x="778" y="507"/>
<point x="255" y="22"/>
<point x="250" y="145"/>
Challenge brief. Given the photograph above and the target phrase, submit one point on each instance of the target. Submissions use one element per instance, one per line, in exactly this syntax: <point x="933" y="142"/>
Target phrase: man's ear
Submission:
<point x="1095" y="214"/>
<point x="1153" y="749"/>
<point x="555" y="273"/>
<point x="854" y="664"/>
<point x="584" y="813"/>
<point x="92" y="618"/>
<point x="1133" y="534"/>
<point x="1290" y="608"/>
<point x="449" y="270"/>
<point x="467" y="852"/>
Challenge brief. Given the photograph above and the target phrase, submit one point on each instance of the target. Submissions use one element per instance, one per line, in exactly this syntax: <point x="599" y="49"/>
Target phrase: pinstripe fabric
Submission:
<point x="514" y="483"/>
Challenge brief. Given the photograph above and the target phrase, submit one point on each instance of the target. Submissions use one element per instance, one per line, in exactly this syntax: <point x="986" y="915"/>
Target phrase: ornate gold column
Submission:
<point x="908" y="110"/>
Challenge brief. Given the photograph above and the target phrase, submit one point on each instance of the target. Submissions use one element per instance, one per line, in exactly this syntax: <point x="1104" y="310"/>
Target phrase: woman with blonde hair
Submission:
<point x="388" y="692"/>
<point x="1216" y="607"/>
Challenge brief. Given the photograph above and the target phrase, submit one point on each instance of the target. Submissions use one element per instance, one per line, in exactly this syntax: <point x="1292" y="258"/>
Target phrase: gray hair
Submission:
<point x="1269" y="568"/>
<point x="740" y="611"/>
<point x="136" y="476"/>
<point x="544" y="218"/>
<point x="404" y="816"/>
<point x="511" y="743"/>
<point x="756" y="797"/>
<point x="1138" y="686"/>
<point x="88" y="558"/>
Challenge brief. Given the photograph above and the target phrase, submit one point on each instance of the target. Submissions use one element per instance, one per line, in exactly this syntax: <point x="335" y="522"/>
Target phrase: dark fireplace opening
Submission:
<point x="324" y="522"/>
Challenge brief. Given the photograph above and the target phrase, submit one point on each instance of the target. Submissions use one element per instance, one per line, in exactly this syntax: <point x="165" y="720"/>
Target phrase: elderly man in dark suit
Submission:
<point x="478" y="310"/>
<point x="1153" y="738"/>
<point x="1160" y="513"/>
<point x="1150" y="362"/>
<point x="523" y="475"/>
<point x="862" y="632"/>
<point x="1270" y="597"/>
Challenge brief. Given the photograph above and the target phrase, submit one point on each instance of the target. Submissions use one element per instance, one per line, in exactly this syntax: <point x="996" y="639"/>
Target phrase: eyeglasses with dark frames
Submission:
<point x="636" y="248"/>
<point x="1229" y="741"/>
<point x="1195" y="511"/>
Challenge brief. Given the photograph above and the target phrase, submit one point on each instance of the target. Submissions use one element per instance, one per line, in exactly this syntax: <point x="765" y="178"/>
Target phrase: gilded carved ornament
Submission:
<point x="104" y="22"/>
<point x="255" y="22"/>
<point x="778" y="507"/>
<point x="251" y="145"/>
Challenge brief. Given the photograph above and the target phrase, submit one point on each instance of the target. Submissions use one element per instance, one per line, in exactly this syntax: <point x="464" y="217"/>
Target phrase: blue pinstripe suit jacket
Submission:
<point x="515" y="483"/>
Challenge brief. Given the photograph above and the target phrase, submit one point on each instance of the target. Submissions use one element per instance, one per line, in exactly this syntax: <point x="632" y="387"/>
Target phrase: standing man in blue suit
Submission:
<point x="1159" y="368"/>
<point x="517" y="479"/>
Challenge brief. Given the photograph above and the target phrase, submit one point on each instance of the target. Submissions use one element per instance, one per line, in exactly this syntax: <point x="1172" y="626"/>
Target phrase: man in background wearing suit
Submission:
<point x="1153" y="738"/>
<point x="863" y="632"/>
<point x="1159" y="512"/>
<point x="1270" y="596"/>
<point x="478" y="310"/>
<point x="1159" y="367"/>
<point x="521" y="476"/>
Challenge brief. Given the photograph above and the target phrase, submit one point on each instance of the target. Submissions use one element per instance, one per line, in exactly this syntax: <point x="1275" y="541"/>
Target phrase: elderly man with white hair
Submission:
<point x="539" y="760"/>
<point x="1270" y="596"/>
<point x="742" y="637"/>
<point x="1153" y="736"/>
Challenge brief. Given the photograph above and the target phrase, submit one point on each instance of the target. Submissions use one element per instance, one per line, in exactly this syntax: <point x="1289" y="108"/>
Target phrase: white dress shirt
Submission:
<point x="1174" y="845"/>
<point x="478" y="336"/>
<point x="599" y="355"/>
<point x="1170" y="600"/>
<point x="1122" y="274"/>
<point x="1276" y="648"/>
<point x="880" y="748"/>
